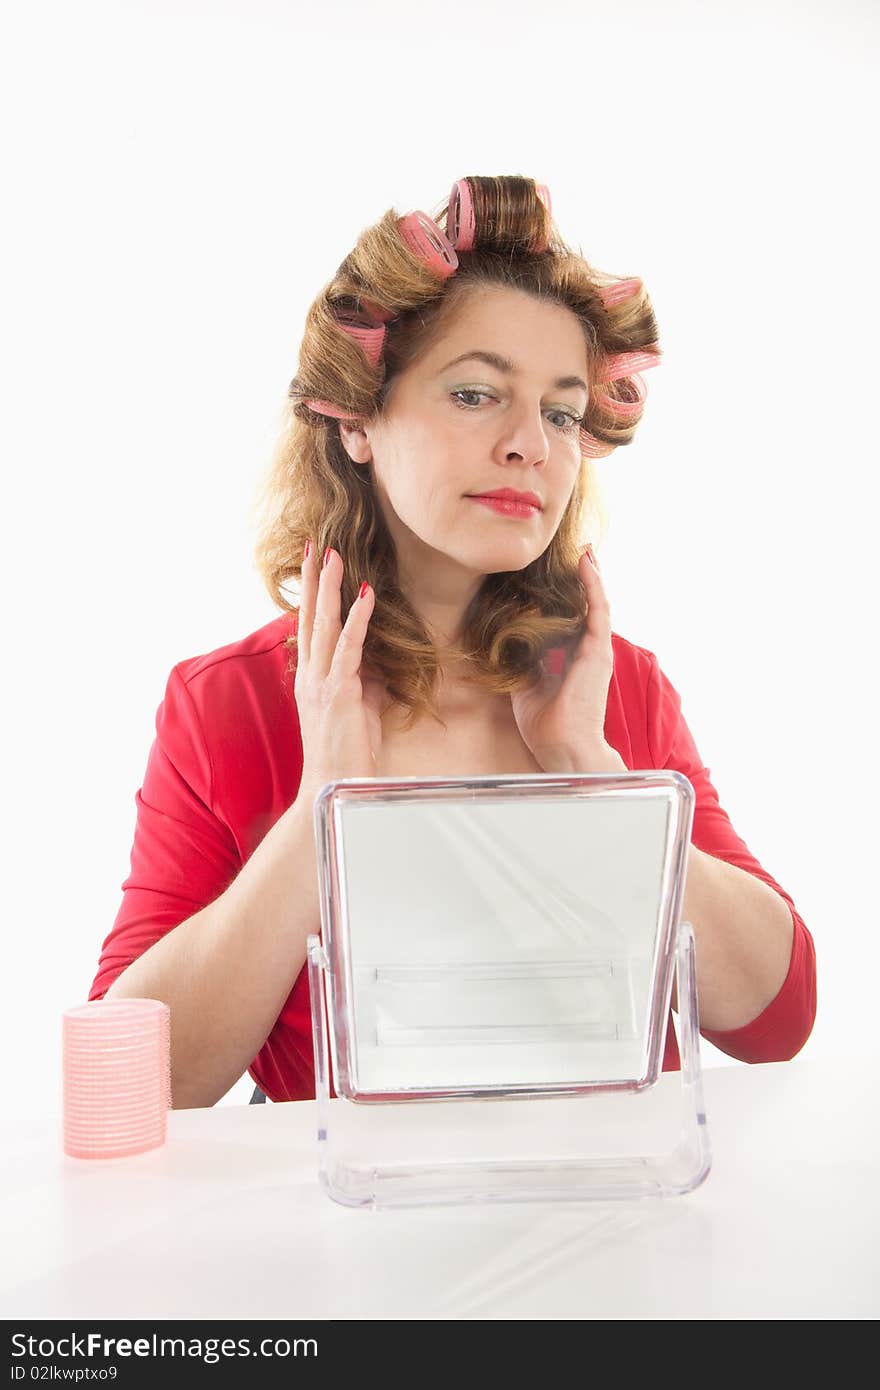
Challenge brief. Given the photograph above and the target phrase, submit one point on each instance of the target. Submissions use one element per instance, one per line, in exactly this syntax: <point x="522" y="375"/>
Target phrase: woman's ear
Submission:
<point x="355" y="442"/>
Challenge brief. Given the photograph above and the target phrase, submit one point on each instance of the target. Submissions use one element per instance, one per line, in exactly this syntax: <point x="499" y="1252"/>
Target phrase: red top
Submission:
<point x="226" y="764"/>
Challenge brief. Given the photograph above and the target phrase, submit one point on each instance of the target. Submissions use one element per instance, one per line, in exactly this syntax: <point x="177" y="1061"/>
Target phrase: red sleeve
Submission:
<point x="786" y="1023"/>
<point x="183" y="856"/>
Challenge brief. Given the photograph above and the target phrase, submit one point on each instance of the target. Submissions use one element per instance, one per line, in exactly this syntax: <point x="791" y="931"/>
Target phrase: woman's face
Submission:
<point x="454" y="429"/>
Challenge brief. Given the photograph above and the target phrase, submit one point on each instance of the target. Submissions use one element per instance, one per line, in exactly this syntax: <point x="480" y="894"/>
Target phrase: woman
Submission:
<point x="437" y="633"/>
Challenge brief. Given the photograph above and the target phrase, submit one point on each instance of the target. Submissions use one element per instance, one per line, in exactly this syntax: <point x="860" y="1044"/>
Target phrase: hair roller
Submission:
<point x="327" y="408"/>
<point x="626" y="410"/>
<point x="616" y="294"/>
<point x="370" y="337"/>
<point x="594" y="448"/>
<point x="376" y="312"/>
<point x="625" y="364"/>
<point x="460" y="220"/>
<point x="428" y="244"/>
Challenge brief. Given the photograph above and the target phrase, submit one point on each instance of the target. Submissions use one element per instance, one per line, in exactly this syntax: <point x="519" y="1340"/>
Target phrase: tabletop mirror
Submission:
<point x="491" y="989"/>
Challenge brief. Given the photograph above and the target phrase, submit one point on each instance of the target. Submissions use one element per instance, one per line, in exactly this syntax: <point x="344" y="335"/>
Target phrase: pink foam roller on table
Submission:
<point x="116" y="1077"/>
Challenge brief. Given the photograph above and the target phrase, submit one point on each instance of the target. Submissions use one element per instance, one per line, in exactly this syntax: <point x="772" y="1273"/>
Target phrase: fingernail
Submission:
<point x="363" y="589"/>
<point x="327" y="554"/>
<point x="308" y="550"/>
<point x="591" y="557"/>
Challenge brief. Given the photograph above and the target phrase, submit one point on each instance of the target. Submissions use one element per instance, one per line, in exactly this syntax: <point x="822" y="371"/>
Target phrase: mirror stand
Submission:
<point x="601" y="1144"/>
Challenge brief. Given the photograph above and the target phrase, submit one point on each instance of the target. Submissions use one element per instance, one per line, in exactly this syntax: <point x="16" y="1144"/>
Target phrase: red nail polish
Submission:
<point x="363" y="589"/>
<point x="327" y="555"/>
<point x="308" y="550"/>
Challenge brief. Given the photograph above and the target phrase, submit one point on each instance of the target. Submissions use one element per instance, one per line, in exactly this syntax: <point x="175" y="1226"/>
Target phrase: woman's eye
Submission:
<point x="465" y="392"/>
<point x="568" y="422"/>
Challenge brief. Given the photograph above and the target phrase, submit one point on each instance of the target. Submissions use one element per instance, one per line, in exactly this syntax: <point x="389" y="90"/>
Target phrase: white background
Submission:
<point x="181" y="179"/>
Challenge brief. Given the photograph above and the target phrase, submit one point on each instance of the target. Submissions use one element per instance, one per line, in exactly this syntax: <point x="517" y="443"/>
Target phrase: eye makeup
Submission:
<point x="572" y="420"/>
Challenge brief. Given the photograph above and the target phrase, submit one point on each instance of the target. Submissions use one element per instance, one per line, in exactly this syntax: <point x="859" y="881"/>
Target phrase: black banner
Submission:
<point x="134" y="1353"/>
<point x="270" y="1352"/>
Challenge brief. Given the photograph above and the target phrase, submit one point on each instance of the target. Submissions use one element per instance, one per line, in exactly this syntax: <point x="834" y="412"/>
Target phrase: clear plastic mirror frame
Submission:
<point x="491" y="991"/>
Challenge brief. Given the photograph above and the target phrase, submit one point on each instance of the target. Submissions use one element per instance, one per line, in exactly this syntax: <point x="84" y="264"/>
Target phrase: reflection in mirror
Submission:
<point x="498" y="934"/>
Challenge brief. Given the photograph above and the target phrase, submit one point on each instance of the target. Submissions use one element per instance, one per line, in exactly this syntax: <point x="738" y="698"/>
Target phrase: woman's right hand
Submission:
<point x="339" y="706"/>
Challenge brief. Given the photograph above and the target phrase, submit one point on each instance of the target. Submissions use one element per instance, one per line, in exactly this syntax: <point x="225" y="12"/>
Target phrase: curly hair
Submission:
<point x="312" y="489"/>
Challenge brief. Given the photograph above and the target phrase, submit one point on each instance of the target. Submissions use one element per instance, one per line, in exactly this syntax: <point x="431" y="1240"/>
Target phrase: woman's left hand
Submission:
<point x="562" y="720"/>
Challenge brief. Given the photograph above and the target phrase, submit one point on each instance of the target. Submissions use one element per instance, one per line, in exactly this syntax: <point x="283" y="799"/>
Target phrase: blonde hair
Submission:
<point x="312" y="489"/>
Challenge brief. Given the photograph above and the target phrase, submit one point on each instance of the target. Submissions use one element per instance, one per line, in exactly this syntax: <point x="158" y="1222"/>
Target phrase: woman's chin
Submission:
<point x="495" y="557"/>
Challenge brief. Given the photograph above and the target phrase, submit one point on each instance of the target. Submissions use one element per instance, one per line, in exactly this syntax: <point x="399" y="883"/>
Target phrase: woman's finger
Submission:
<point x="306" y="611"/>
<point x="349" y="651"/>
<point x="592" y="660"/>
<point x="598" y="608"/>
<point x="327" y="622"/>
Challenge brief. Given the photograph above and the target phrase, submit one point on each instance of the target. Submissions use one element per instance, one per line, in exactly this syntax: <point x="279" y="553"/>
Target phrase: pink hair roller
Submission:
<point x="617" y="368"/>
<point x="328" y="408"/>
<point x="626" y="410"/>
<point x="460" y="222"/>
<point x="428" y="244"/>
<point x="627" y="364"/>
<point x="594" y="448"/>
<point x="370" y="337"/>
<point x="116" y="1077"/>
<point x="376" y="312"/>
<point x="616" y="294"/>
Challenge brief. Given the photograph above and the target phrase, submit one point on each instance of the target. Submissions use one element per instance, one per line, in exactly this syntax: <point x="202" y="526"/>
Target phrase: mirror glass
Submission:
<point x="489" y="936"/>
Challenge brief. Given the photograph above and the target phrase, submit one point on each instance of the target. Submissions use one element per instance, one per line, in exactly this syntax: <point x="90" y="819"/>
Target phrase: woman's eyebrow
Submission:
<point x="504" y="364"/>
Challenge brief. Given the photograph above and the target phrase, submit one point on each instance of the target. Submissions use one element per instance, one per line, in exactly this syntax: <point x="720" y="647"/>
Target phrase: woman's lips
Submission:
<point x="507" y="507"/>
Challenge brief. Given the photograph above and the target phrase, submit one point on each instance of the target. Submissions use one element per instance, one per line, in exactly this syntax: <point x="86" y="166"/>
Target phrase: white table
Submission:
<point x="227" y="1221"/>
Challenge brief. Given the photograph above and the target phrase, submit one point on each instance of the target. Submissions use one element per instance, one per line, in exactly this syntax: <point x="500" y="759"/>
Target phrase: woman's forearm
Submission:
<point x="743" y="932"/>
<point x="743" y="929"/>
<point x="226" y="972"/>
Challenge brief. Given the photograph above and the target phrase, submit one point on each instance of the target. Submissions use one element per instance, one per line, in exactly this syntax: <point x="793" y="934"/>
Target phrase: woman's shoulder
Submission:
<point x="261" y="650"/>
<point x="234" y="707"/>
<point x="242" y="692"/>
<point x="630" y="659"/>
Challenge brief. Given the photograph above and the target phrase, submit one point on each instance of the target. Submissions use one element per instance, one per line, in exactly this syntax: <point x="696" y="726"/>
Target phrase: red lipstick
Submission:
<point x="509" y="502"/>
